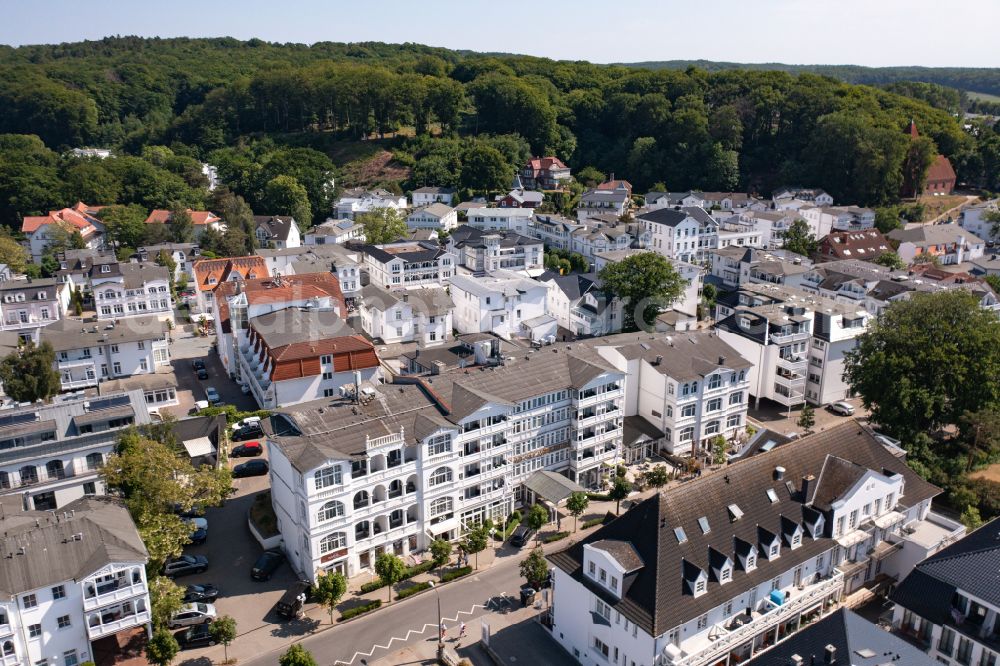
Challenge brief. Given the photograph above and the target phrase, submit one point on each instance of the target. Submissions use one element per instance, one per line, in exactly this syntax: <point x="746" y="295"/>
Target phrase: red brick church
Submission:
<point x="940" y="175"/>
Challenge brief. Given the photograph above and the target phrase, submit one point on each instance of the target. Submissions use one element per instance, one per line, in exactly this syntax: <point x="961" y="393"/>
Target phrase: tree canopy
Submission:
<point x="382" y="225"/>
<point x="646" y="283"/>
<point x="28" y="373"/>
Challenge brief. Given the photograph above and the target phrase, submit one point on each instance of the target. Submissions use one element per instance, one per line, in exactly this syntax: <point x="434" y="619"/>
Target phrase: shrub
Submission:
<point x="358" y="610"/>
<point x="593" y="522"/>
<point x="413" y="589"/>
<point x="555" y="537"/>
<point x="376" y="584"/>
<point x="598" y="497"/>
<point x="456" y="573"/>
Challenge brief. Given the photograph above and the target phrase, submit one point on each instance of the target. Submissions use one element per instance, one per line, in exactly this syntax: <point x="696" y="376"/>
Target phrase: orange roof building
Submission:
<point x="940" y="175"/>
<point x="199" y="218"/>
<point x="77" y="218"/>
<point x="210" y="273"/>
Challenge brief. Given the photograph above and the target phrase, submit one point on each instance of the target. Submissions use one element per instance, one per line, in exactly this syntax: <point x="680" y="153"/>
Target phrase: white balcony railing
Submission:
<point x="120" y="593"/>
<point x="107" y="628"/>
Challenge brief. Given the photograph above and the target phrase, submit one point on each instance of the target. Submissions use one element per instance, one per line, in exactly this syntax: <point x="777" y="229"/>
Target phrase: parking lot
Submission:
<point x="185" y="348"/>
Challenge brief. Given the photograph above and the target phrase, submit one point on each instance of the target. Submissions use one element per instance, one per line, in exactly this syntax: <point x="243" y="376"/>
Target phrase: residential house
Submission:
<point x="772" y="225"/>
<point x="393" y="467"/>
<point x="740" y="232"/>
<point x="694" y="278"/>
<point x="867" y="245"/>
<point x="687" y="234"/>
<point x="823" y="220"/>
<point x="75" y="266"/>
<point x="692" y="387"/>
<point x="276" y="231"/>
<point x="436" y="216"/>
<point x="600" y="202"/>
<point x="300" y="354"/>
<point x="736" y="266"/>
<point x="658" y="200"/>
<point x="28" y="305"/>
<point x="51" y="454"/>
<point x="783" y="195"/>
<point x="581" y="305"/>
<point x="484" y="252"/>
<point x="40" y="231"/>
<point x="182" y="254"/>
<point x="426" y="196"/>
<point x="940" y="179"/>
<point x="544" y="173"/>
<point x="948" y="243"/>
<point x="407" y="264"/>
<point x="359" y="200"/>
<point x="201" y="220"/>
<point x="948" y="604"/>
<point x="210" y="273"/>
<point x="613" y="184"/>
<point x="130" y="289"/>
<point x="796" y="340"/>
<point x="721" y="568"/>
<point x="607" y="237"/>
<point x="521" y="198"/>
<point x="554" y="230"/>
<point x="500" y="219"/>
<point x="74" y="583"/>
<point x="335" y="232"/>
<point x="504" y="303"/>
<point x="421" y="315"/>
<point x="731" y="201"/>
<point x="343" y="263"/>
<point x="974" y="220"/>
<point x="88" y="353"/>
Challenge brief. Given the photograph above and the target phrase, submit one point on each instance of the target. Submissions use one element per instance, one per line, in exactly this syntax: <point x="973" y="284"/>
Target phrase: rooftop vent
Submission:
<point x="779" y="473"/>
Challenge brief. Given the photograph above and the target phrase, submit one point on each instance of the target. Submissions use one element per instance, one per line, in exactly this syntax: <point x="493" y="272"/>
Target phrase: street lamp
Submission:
<point x="439" y="624"/>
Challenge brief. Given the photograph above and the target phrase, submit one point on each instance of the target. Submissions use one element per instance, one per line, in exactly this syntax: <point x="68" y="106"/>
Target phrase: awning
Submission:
<point x="888" y="519"/>
<point x="553" y="487"/>
<point x="198" y="447"/>
<point x="852" y="538"/>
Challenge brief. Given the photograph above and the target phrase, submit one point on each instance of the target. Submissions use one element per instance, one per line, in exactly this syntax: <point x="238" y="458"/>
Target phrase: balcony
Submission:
<point x="109" y="593"/>
<point x="785" y="338"/>
<point x="716" y="644"/>
<point x="105" y="624"/>
<point x="793" y="362"/>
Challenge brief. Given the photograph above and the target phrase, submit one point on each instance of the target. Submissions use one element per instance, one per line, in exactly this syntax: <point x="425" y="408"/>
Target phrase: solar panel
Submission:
<point x="15" y="419"/>
<point x="107" y="403"/>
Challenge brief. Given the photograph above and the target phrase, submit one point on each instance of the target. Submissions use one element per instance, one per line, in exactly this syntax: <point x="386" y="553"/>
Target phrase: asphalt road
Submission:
<point x="184" y="349"/>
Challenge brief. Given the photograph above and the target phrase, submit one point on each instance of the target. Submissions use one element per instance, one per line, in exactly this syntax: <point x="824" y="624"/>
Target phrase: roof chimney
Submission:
<point x="658" y="360"/>
<point x="722" y="360"/>
<point x="796" y="660"/>
<point x="779" y="473"/>
<point x="829" y="654"/>
<point x="808" y="486"/>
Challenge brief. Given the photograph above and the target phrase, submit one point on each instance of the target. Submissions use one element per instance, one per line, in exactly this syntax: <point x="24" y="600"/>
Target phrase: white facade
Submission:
<point x="406" y="265"/>
<point x="131" y="290"/>
<point x="974" y="221"/>
<point x="356" y="202"/>
<point x="86" y="355"/>
<point x="425" y="196"/>
<point x="407" y="316"/>
<point x="688" y="234"/>
<point x="498" y="304"/>
<point x="501" y="219"/>
<point x="434" y="216"/>
<point x="583" y="309"/>
<point x="824" y="219"/>
<point x="28" y="305"/>
<point x="335" y="232"/>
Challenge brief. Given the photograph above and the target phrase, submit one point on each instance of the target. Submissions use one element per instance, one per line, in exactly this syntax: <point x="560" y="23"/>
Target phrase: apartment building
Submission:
<point x="335" y="232"/>
<point x="693" y="387"/>
<point x="88" y="353"/>
<point x="392" y="467"/>
<point x="210" y="273"/>
<point x="300" y="354"/>
<point x="581" y="305"/>
<point x="687" y="234"/>
<point x="183" y="255"/>
<point x="425" y="196"/>
<point x="406" y="264"/>
<point x="814" y="195"/>
<point x="484" y="252"/>
<point x="506" y="304"/>
<point x="725" y="566"/>
<point x="73" y="582"/>
<point x="796" y="340"/>
<point x="947" y="243"/>
<point x="421" y="315"/>
<point x="51" y="454"/>
<point x="544" y="173"/>
<point x="357" y="201"/>
<point x="974" y="220"/>
<point x="40" y="231"/>
<point x="130" y="289"/>
<point x="867" y="245"/>
<point x="596" y="202"/>
<point x="276" y="231"/>
<point x="736" y="266"/>
<point x="28" y="305"/>
<point x="823" y="220"/>
<point x="516" y="220"/>
<point x="554" y="230"/>
<point x="949" y="604"/>
<point x="436" y="216"/>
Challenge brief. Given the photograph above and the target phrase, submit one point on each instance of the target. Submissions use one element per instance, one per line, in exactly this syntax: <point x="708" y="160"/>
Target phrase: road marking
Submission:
<point x="423" y="630"/>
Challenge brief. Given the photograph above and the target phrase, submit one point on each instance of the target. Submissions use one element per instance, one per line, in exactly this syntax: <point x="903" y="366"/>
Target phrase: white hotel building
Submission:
<point x="131" y="290"/>
<point x="403" y="464"/>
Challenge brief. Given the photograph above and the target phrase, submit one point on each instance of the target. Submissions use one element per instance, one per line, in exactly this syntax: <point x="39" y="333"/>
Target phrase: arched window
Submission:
<point x="332" y="542"/>
<point x="95" y="460"/>
<point x="55" y="470"/>
<point x="28" y="474"/>
<point x="361" y="499"/>
<point x="330" y="510"/>
<point x="441" y="505"/>
<point x="362" y="530"/>
<point x="440" y="475"/>
<point x="328" y="476"/>
<point x="8" y="648"/>
<point x="110" y="293"/>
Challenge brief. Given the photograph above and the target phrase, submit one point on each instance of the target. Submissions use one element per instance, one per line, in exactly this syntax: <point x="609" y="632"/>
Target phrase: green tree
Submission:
<point x="125" y="226"/>
<point x="994" y="282"/>
<point x="657" y="477"/>
<point x="284" y="195"/>
<point x="330" y="587"/>
<point x="537" y="517"/>
<point x="589" y="176"/>
<point x="166" y="598"/>
<point x="719" y="450"/>
<point x="807" y="417"/>
<point x="162" y="647"/>
<point x="390" y="569"/>
<point x="28" y="374"/>
<point x="799" y="239"/>
<point x="181" y="226"/>
<point x="620" y="488"/>
<point x="890" y="260"/>
<point x="887" y="219"/>
<point x="476" y="540"/>
<point x="382" y="225"/>
<point x="971" y="518"/>
<point x="577" y="504"/>
<point x="484" y="169"/>
<point x="223" y="630"/>
<point x="980" y="432"/>
<point x="646" y="283"/>
<point x="440" y="552"/>
<point x="926" y="361"/>
<point x="535" y="568"/>
<point x="296" y="655"/>
<point x="13" y="253"/>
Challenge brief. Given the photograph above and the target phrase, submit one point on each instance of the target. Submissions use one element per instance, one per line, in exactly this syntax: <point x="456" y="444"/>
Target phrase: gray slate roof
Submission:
<point x="687" y="356"/>
<point x="67" y="334"/>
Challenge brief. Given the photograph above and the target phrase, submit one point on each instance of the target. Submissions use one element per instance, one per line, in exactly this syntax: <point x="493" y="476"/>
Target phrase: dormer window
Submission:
<point x="726" y="575"/>
<point x="775" y="549"/>
<point x="699" y="587"/>
<point x="796" y="540"/>
<point x="105" y="268"/>
<point x="751" y="562"/>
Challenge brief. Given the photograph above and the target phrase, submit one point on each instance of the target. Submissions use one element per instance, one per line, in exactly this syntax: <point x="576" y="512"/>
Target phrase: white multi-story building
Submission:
<point x="401" y="465"/>
<point x="357" y="201"/>
<point x="784" y="196"/>
<point x="425" y="196"/>
<point x="947" y="243"/>
<point x="484" y="251"/>
<point x="433" y="216"/>
<point x="51" y="454"/>
<point x="130" y="290"/>
<point x="795" y="340"/>
<point x="28" y="305"/>
<point x="335" y="232"/>
<point x="276" y="231"/>
<point x="509" y="305"/>
<point x="598" y="201"/>
<point x="973" y="220"/>
<point x="718" y="569"/>
<point x="43" y="230"/>
<point x="688" y="234"/>
<point x="824" y="219"/>
<point x="501" y="219"/>
<point x="421" y="315"/>
<point x="736" y="266"/>
<point x="692" y="386"/>
<point x="72" y="582"/>
<point x="948" y="604"/>
<point x="89" y="353"/>
<point x="409" y="264"/>
<point x="183" y="255"/>
<point x="554" y="230"/>
<point x="580" y="304"/>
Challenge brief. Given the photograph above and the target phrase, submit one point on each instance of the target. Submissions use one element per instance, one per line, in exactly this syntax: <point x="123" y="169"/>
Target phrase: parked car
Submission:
<point x="193" y="614"/>
<point x="291" y="602"/>
<point x="842" y="408"/>
<point x="247" y="422"/>
<point x="184" y="565"/>
<point x="195" y="636"/>
<point x="250" y="431"/>
<point x="267" y="564"/>
<point x="212" y="395"/>
<point x="522" y="535"/>
<point x="198" y="406"/>
<point x="198" y="364"/>
<point x="252" y="468"/>
<point x="202" y="373"/>
<point x="199" y="533"/>
<point x="247" y="450"/>
<point x="204" y="592"/>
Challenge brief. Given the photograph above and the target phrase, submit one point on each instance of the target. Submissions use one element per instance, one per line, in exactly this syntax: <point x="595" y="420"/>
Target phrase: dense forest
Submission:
<point x="276" y="118"/>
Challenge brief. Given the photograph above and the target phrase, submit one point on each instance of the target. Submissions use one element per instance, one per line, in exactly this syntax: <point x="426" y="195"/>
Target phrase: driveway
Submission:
<point x="775" y="417"/>
<point x="185" y="348"/>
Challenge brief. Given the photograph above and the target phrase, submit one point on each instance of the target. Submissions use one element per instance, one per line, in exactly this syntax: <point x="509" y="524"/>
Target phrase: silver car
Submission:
<point x="842" y="408"/>
<point x="192" y="614"/>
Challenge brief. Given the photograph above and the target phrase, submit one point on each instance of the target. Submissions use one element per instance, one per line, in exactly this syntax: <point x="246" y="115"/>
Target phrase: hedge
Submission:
<point x="455" y="573"/>
<point x="511" y="526"/>
<point x="593" y="522"/>
<point x="555" y="537"/>
<point x="598" y="497"/>
<point x="377" y="584"/>
<point x="413" y="589"/>
<point x="358" y="610"/>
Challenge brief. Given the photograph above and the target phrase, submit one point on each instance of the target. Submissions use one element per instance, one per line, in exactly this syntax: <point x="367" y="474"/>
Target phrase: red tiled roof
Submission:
<point x="941" y="170"/>
<point x="867" y="245"/>
<point x="221" y="269"/>
<point x="198" y="217"/>
<point x="546" y="163"/>
<point x="78" y="218"/>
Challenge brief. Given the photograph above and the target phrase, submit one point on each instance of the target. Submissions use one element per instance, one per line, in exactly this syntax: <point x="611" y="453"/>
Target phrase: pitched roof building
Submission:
<point x="80" y="218"/>
<point x="209" y="273"/>
<point x="867" y="245"/>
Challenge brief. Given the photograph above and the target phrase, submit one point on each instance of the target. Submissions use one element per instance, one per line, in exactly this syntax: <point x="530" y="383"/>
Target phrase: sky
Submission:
<point x="862" y="32"/>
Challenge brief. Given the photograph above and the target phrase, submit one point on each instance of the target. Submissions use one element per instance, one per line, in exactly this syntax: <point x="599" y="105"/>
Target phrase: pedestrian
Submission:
<point x="461" y="631"/>
<point x="444" y="630"/>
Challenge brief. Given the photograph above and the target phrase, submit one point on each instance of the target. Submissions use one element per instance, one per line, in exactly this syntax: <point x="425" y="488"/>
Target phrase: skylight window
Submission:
<point x="771" y="495"/>
<point x="703" y="524"/>
<point x="735" y="512"/>
<point x="679" y="533"/>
